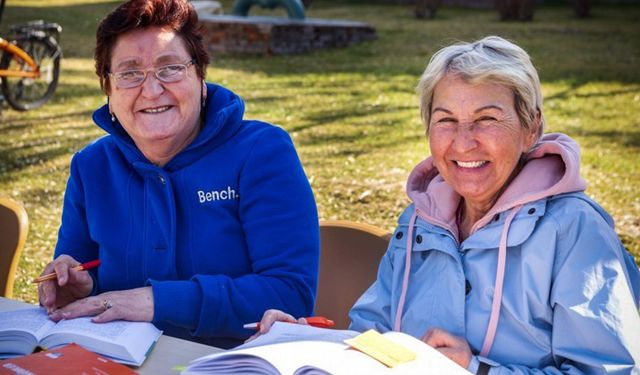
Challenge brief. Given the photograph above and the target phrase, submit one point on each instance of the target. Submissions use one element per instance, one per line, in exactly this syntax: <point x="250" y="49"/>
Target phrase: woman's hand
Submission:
<point x="132" y="304"/>
<point x="271" y="316"/>
<point x="68" y="286"/>
<point x="453" y="347"/>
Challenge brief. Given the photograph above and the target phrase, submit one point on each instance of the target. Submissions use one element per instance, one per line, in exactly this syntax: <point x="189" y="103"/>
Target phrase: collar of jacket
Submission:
<point x="552" y="167"/>
<point x="222" y="118"/>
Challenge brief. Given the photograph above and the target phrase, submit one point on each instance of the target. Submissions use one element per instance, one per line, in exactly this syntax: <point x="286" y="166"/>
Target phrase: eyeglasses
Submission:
<point x="166" y="73"/>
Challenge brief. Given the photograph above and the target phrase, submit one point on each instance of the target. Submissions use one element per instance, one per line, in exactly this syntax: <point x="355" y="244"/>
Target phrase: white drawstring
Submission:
<point x="499" y="283"/>
<point x="497" y="292"/>
<point x="407" y="270"/>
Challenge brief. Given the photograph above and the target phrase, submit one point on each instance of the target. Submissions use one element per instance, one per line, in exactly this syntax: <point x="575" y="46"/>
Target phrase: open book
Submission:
<point x="22" y="331"/>
<point x="294" y="349"/>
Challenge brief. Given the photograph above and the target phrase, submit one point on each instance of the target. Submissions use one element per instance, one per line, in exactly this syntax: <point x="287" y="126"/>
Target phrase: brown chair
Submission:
<point x="14" y="225"/>
<point x="349" y="258"/>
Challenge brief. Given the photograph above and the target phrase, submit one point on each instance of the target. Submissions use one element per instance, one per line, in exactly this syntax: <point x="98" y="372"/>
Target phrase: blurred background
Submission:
<point x="352" y="112"/>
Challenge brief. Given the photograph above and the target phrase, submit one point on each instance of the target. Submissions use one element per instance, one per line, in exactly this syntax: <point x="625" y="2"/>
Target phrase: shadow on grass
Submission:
<point x="618" y="138"/>
<point x="32" y="146"/>
<point x="46" y="198"/>
<point x="16" y="158"/>
<point x="23" y="122"/>
<point x="12" y="162"/>
<point x="320" y="159"/>
<point x="324" y="117"/>
<point x="571" y="92"/>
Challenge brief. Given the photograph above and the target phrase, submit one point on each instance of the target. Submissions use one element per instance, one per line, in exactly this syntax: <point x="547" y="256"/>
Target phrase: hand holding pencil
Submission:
<point x="81" y="267"/>
<point x="272" y="315"/>
<point x="315" y="321"/>
<point x="63" y="281"/>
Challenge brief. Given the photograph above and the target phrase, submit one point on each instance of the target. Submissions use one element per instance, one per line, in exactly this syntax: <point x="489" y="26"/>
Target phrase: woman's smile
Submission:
<point x="153" y="110"/>
<point x="471" y="164"/>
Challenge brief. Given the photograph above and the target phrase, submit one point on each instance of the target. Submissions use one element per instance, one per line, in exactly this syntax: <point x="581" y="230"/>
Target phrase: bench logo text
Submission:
<point x="217" y="195"/>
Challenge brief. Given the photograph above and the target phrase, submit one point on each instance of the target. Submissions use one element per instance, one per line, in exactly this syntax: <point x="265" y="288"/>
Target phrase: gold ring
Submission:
<point x="106" y="304"/>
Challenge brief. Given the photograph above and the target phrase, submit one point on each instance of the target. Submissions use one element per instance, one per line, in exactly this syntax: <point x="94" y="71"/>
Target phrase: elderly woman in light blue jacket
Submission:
<point x="502" y="262"/>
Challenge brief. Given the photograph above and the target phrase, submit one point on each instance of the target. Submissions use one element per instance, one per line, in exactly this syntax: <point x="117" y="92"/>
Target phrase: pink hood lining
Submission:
<point x="552" y="167"/>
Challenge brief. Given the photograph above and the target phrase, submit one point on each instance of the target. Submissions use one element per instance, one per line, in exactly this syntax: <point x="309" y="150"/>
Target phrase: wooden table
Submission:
<point x="168" y="352"/>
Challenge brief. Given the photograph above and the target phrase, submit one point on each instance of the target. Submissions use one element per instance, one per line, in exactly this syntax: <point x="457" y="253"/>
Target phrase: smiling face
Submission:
<point x="476" y="138"/>
<point x="162" y="118"/>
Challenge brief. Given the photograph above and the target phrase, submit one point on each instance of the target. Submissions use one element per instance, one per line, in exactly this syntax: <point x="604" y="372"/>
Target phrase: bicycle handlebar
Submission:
<point x="49" y="28"/>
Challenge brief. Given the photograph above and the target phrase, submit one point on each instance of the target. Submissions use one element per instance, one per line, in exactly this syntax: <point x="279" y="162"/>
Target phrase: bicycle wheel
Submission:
<point x="24" y="94"/>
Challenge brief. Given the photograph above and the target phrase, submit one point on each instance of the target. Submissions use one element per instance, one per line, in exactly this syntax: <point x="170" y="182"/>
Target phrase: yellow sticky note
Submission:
<point x="381" y="348"/>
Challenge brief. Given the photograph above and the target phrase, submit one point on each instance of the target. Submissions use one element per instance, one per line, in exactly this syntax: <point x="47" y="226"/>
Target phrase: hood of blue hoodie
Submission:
<point x="223" y="114"/>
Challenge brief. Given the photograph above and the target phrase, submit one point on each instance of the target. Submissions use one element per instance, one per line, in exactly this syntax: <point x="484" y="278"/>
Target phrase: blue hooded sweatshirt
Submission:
<point x="224" y="231"/>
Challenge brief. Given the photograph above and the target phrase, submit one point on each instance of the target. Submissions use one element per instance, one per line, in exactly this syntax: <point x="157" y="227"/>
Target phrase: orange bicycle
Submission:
<point x="30" y="64"/>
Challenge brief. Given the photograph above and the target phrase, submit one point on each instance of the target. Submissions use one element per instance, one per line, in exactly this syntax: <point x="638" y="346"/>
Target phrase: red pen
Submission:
<point x="81" y="267"/>
<point x="315" y="321"/>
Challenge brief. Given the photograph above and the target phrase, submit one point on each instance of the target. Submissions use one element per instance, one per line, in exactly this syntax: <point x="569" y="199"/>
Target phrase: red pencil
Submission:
<point x="82" y="267"/>
<point x="316" y="321"/>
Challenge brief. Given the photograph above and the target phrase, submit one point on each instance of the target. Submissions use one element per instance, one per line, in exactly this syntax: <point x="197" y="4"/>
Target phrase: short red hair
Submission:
<point x="177" y="15"/>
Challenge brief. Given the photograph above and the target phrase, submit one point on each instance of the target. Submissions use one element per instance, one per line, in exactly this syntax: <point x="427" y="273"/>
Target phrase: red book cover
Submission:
<point x="69" y="359"/>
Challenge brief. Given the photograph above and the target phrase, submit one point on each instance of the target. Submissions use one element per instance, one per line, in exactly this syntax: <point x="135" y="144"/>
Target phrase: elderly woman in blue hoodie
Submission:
<point x="502" y="262"/>
<point x="201" y="219"/>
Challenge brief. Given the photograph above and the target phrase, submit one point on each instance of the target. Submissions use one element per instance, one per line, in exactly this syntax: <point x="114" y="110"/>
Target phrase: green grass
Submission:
<point x="352" y="112"/>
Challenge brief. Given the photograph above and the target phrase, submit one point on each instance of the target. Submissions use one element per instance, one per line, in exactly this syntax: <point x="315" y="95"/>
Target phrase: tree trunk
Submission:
<point x="581" y="7"/>
<point x="426" y="8"/>
<point x="515" y="10"/>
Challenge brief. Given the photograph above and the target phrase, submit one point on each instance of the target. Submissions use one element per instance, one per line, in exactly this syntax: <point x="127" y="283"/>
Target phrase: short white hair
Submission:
<point x="488" y="60"/>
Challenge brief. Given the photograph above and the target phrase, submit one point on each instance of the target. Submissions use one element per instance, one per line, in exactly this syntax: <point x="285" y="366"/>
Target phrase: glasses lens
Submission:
<point x="129" y="78"/>
<point x="171" y="73"/>
<point x="167" y="74"/>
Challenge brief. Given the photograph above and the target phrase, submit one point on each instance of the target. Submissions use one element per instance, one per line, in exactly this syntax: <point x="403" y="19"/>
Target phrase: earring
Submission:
<point x="113" y="117"/>
<point x="203" y="94"/>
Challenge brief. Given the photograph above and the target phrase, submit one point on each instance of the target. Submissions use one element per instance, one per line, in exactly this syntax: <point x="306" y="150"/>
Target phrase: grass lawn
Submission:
<point x="352" y="112"/>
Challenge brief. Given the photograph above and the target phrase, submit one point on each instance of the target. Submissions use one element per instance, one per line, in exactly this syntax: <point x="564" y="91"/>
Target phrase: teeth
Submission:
<point x="471" y="164"/>
<point x="156" y="110"/>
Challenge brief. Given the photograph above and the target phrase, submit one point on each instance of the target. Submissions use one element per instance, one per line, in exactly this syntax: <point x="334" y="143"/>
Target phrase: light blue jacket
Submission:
<point x="571" y="291"/>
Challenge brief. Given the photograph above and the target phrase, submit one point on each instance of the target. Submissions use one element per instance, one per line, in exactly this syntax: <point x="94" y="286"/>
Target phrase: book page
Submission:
<point x="122" y="341"/>
<point x="295" y="358"/>
<point x="111" y="331"/>
<point x="35" y="321"/>
<point x="286" y="332"/>
<point x="282" y="358"/>
<point x="20" y="330"/>
<point x="231" y="364"/>
<point x="321" y="357"/>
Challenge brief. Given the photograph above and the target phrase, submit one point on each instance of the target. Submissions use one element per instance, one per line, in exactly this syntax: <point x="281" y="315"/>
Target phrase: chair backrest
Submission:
<point x="349" y="258"/>
<point x="13" y="234"/>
